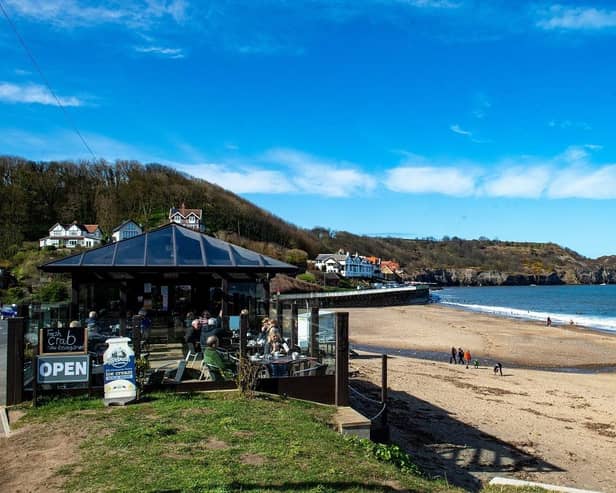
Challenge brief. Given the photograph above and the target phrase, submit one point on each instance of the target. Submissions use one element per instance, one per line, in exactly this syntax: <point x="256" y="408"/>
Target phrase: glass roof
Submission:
<point x="171" y="246"/>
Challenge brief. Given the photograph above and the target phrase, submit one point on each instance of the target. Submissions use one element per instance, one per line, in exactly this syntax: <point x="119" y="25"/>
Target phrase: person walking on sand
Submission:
<point x="467" y="357"/>
<point x="498" y="368"/>
<point x="460" y="355"/>
<point x="453" y="355"/>
<point x="548" y="322"/>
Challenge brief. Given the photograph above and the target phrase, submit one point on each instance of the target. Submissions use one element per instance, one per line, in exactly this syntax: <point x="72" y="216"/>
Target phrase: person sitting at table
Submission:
<point x="192" y="337"/>
<point x="275" y="343"/>
<point x="265" y="326"/>
<point x="219" y="369"/>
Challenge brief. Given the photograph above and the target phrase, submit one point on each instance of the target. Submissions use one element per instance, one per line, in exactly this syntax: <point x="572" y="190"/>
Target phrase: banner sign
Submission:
<point x="63" y="340"/>
<point x="63" y="369"/>
<point x="120" y="372"/>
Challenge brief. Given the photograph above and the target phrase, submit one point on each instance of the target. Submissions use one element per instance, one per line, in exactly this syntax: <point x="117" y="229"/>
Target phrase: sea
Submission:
<point x="589" y="306"/>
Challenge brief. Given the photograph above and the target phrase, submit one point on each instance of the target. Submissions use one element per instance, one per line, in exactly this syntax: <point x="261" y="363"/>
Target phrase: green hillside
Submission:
<point x="35" y="195"/>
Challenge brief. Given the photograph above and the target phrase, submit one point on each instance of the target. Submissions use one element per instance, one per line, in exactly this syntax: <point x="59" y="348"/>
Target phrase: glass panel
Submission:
<point x="188" y="247"/>
<point x="270" y="262"/>
<point x="160" y="247"/>
<point x="100" y="256"/>
<point x="72" y="260"/>
<point x="216" y="252"/>
<point x="245" y="257"/>
<point x="131" y="252"/>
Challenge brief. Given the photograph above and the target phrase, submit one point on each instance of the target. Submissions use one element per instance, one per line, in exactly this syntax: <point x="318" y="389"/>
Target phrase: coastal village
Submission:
<point x="315" y="246"/>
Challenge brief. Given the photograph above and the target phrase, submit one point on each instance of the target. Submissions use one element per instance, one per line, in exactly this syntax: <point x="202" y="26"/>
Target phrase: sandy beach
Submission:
<point x="469" y="424"/>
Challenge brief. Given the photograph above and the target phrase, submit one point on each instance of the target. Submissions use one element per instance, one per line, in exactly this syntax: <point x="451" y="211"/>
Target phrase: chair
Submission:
<point x="192" y="357"/>
<point x="312" y="371"/>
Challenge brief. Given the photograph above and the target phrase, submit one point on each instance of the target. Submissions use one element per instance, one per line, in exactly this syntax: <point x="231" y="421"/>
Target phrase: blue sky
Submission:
<point x="411" y="118"/>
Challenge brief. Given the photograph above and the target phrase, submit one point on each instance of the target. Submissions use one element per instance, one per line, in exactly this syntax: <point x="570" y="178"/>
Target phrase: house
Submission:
<point x="191" y="218"/>
<point x="127" y="229"/>
<point x="390" y="270"/>
<point x="73" y="235"/>
<point x="345" y="264"/>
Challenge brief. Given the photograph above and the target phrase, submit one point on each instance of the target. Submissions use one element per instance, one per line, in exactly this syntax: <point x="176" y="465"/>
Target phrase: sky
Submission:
<point x="408" y="118"/>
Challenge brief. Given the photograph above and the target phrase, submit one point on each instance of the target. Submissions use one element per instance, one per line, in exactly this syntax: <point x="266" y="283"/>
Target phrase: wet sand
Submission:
<point x="470" y="424"/>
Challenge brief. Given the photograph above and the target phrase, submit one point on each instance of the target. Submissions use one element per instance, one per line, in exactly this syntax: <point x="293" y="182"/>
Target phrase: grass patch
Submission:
<point x="222" y="442"/>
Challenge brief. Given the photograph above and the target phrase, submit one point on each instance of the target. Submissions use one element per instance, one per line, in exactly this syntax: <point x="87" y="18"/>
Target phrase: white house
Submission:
<point x="345" y="264"/>
<point x="73" y="235"/>
<point x="128" y="229"/>
<point x="191" y="218"/>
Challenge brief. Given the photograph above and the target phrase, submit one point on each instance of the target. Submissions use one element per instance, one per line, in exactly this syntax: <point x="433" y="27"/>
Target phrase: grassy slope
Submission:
<point x="220" y="442"/>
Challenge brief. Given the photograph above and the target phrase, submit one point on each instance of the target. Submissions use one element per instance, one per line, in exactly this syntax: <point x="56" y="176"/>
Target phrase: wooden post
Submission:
<point x="314" y="332"/>
<point x="11" y="361"/>
<point x="384" y="394"/>
<point x="294" y="316"/>
<point x="266" y="296"/>
<point x="342" y="359"/>
<point x="74" y="311"/>
<point x="225" y="299"/>
<point x="279" y="314"/>
<point x="243" y="332"/>
<point x="123" y="301"/>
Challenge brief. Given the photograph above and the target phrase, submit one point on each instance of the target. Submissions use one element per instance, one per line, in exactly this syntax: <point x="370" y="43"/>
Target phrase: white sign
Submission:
<point x="63" y="369"/>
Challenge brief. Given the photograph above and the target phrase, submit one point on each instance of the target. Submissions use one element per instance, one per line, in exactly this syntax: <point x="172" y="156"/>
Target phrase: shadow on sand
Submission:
<point x="443" y="446"/>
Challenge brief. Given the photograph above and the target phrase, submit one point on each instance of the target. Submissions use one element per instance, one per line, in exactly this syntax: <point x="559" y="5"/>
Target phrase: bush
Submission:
<point x="52" y="292"/>
<point x="307" y="276"/>
<point x="16" y="295"/>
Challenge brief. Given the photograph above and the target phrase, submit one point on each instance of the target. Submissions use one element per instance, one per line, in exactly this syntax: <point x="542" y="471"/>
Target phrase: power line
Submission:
<point x="45" y="81"/>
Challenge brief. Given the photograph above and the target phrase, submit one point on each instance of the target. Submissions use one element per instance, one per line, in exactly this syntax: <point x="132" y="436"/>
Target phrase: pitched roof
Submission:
<point x="171" y="247"/>
<point x="91" y="228"/>
<point x="124" y="223"/>
<point x="336" y="256"/>
<point x="185" y="212"/>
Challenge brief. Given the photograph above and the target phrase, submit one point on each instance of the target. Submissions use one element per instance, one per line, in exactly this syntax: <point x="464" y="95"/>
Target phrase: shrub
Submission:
<point x="52" y="292"/>
<point x="307" y="276"/>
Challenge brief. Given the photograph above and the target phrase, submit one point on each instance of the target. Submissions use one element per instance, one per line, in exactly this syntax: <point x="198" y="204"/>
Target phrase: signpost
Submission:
<point x="63" y="369"/>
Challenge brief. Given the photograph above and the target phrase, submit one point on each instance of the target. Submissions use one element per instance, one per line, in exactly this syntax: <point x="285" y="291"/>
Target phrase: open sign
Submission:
<point x="63" y="369"/>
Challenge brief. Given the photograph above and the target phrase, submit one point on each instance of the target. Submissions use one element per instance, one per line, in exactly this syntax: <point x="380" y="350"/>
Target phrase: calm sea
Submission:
<point x="589" y="306"/>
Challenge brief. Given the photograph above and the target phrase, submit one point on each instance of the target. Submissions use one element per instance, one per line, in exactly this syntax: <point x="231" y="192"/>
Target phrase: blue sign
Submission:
<point x="120" y="366"/>
<point x="63" y="369"/>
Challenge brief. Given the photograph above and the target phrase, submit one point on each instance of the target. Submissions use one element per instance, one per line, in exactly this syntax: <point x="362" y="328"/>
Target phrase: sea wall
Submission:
<point x="361" y="298"/>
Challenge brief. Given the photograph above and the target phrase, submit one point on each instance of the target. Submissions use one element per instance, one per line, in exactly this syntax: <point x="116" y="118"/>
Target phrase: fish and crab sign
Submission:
<point x="63" y="369"/>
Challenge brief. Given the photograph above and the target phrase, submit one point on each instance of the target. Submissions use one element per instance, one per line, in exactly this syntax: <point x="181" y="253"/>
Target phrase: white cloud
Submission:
<point x="570" y="174"/>
<point x="459" y="130"/>
<point x="575" y="18"/>
<point x="161" y="51"/>
<point x="432" y="4"/>
<point x="517" y="182"/>
<point x="33" y="93"/>
<point x="320" y="176"/>
<point x="241" y="179"/>
<point x="410" y="178"/>
<point x="73" y="13"/>
<point x="566" y="124"/>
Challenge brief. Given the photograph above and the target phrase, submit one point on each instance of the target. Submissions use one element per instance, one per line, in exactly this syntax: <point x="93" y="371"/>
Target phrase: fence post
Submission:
<point x="342" y="359"/>
<point x="294" y="316"/>
<point x="314" y="332"/>
<point x="384" y="395"/>
<point x="11" y="361"/>
<point x="279" y="314"/>
<point x="243" y="332"/>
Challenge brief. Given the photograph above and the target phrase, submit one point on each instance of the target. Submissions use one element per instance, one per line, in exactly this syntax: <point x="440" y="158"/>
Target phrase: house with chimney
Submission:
<point x="73" y="235"/>
<point x="191" y="218"/>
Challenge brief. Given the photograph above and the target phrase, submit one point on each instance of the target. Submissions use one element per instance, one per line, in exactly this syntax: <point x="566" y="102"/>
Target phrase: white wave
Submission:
<point x="592" y="322"/>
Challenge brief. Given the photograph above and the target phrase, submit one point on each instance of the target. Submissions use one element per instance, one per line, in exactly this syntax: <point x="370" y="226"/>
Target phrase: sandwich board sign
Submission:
<point x="63" y="340"/>
<point x="63" y="369"/>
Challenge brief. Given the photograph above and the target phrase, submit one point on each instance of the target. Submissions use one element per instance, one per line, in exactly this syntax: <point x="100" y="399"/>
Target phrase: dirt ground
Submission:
<point x="31" y="456"/>
<point x="469" y="424"/>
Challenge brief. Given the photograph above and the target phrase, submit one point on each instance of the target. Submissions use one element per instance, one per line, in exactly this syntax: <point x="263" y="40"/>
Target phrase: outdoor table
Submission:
<point x="282" y="365"/>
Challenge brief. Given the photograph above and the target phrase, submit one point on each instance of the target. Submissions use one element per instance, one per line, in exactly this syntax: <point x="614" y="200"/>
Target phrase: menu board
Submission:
<point x="63" y="340"/>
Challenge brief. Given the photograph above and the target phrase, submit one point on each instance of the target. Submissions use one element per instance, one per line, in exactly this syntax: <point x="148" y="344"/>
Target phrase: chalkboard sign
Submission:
<point x="63" y="340"/>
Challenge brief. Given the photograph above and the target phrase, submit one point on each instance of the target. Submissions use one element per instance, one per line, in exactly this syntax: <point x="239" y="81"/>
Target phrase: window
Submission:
<point x="191" y="219"/>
